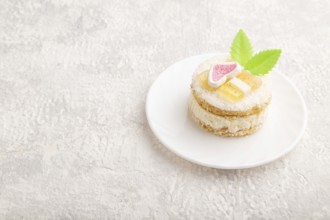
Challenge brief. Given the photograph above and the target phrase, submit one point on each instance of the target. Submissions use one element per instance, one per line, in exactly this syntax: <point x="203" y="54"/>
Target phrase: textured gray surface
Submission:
<point x="74" y="141"/>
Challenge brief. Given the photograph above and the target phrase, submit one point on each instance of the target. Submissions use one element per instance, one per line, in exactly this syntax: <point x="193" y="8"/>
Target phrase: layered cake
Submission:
<point x="230" y="94"/>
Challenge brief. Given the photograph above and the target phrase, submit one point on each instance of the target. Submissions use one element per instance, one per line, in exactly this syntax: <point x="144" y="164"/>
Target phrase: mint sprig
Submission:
<point x="263" y="62"/>
<point x="241" y="48"/>
<point x="259" y="64"/>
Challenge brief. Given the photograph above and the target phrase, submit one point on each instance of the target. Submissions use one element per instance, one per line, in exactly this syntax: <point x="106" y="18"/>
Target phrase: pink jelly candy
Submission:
<point x="219" y="73"/>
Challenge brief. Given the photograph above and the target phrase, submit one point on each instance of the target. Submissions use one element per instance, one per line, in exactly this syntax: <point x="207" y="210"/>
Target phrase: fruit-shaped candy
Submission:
<point x="253" y="81"/>
<point x="220" y="72"/>
<point x="234" y="90"/>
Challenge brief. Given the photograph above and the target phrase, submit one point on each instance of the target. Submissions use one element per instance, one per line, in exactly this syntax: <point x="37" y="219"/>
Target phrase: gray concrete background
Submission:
<point x="74" y="141"/>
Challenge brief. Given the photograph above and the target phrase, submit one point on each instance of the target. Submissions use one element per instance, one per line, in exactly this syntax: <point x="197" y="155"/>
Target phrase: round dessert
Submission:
<point x="230" y="95"/>
<point x="219" y="112"/>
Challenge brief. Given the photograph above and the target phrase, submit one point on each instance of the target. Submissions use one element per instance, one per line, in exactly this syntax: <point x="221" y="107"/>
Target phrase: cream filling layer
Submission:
<point x="218" y="122"/>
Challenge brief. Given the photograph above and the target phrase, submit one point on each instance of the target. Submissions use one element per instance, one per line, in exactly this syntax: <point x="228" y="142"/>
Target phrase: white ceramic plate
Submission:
<point x="167" y="113"/>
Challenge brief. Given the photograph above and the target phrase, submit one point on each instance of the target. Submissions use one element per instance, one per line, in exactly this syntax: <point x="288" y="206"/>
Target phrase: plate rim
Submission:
<point x="244" y="166"/>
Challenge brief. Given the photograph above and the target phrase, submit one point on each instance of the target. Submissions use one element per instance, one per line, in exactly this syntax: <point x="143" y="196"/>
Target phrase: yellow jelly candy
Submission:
<point x="230" y="92"/>
<point x="252" y="81"/>
<point x="202" y="78"/>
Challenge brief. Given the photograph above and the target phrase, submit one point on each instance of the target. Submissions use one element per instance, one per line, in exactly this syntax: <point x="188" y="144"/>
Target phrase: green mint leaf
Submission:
<point x="241" y="48"/>
<point x="263" y="62"/>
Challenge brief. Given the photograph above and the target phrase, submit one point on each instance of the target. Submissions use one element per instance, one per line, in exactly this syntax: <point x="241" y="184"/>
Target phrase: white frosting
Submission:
<point x="257" y="97"/>
<point x="218" y="122"/>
